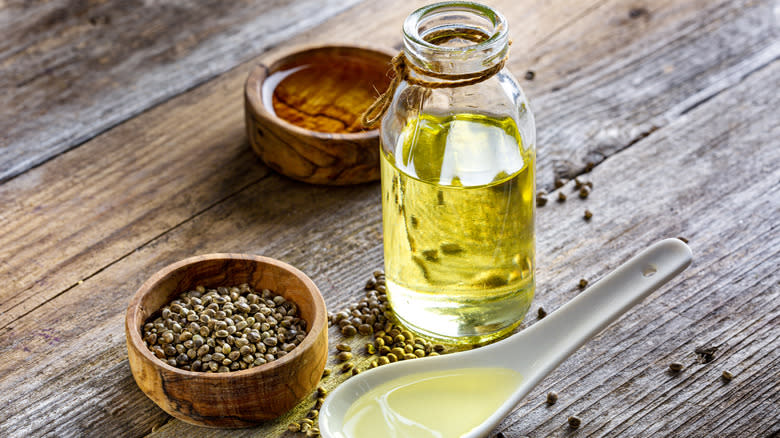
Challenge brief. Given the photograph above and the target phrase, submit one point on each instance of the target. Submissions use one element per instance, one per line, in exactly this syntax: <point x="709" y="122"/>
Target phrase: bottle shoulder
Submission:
<point x="499" y="97"/>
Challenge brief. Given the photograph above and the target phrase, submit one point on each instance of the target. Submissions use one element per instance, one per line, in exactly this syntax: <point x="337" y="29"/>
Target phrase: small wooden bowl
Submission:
<point x="239" y="398"/>
<point x="331" y="158"/>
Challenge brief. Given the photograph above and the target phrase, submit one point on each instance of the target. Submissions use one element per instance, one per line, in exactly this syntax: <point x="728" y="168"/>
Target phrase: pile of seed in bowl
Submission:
<point x="224" y="329"/>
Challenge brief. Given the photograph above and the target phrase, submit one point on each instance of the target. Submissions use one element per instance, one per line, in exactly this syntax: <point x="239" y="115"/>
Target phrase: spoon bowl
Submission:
<point x="537" y="350"/>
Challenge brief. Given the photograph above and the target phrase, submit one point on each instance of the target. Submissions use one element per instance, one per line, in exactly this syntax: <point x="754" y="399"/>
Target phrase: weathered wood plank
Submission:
<point x="618" y="383"/>
<point x="638" y="83"/>
<point x="37" y="280"/>
<point x="678" y="332"/>
<point x="165" y="179"/>
<point x="333" y="235"/>
<point x="70" y="69"/>
<point x="337" y="246"/>
<point x="69" y="248"/>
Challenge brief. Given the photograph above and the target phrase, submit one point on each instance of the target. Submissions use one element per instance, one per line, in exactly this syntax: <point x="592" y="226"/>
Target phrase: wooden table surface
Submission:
<point x="122" y="149"/>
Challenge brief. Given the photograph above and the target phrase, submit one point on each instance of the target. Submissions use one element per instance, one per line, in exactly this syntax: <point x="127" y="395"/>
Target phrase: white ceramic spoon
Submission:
<point x="537" y="350"/>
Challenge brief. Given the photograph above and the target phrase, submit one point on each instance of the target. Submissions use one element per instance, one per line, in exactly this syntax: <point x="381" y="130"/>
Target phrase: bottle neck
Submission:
<point x="455" y="38"/>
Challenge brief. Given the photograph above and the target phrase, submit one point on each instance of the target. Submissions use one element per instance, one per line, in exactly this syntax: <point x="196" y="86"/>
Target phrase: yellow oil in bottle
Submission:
<point x="431" y="405"/>
<point x="458" y="215"/>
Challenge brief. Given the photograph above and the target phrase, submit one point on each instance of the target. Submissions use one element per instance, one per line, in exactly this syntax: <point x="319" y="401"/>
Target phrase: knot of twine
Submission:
<point x="401" y="66"/>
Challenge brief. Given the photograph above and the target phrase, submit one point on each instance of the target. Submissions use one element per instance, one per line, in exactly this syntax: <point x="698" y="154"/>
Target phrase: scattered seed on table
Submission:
<point x="676" y="367"/>
<point x="584" y="192"/>
<point x="552" y="397"/>
<point x="541" y="313"/>
<point x="561" y="197"/>
<point x="321" y="391"/>
<point x="344" y="356"/>
<point x="326" y="372"/>
<point x="587" y="215"/>
<point x="349" y="330"/>
<point x="583" y="283"/>
<point x="684" y="240"/>
<point x="706" y="353"/>
<point x="559" y="182"/>
<point x="347" y="366"/>
<point x="575" y="422"/>
<point x="343" y="347"/>
<point x="294" y="427"/>
<point x="530" y="75"/>
<point x="727" y="375"/>
<point x="541" y="199"/>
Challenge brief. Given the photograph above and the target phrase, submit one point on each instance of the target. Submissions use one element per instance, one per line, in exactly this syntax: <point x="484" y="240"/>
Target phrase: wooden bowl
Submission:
<point x="239" y="398"/>
<point x="350" y="79"/>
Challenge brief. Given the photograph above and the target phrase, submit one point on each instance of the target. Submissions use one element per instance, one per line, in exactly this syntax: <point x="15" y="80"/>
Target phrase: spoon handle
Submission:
<point x="547" y="343"/>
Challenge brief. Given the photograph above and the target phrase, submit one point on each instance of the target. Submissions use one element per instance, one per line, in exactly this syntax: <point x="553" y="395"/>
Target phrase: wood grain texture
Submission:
<point x="71" y="69"/>
<point x="70" y="204"/>
<point x="141" y="179"/>
<point x="619" y="382"/>
<point x="641" y="73"/>
<point x="110" y="215"/>
<point x="239" y="398"/>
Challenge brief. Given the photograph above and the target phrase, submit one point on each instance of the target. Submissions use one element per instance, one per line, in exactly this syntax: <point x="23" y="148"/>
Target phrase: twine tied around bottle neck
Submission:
<point x="401" y="66"/>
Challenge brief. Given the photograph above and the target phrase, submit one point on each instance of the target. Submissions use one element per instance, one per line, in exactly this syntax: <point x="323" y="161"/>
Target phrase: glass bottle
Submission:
<point x="457" y="164"/>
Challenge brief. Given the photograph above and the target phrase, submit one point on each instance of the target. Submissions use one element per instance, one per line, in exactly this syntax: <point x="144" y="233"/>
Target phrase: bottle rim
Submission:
<point x="497" y="37"/>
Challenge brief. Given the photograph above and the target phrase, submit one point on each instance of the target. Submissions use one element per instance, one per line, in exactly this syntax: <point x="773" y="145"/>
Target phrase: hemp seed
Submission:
<point x="217" y="330"/>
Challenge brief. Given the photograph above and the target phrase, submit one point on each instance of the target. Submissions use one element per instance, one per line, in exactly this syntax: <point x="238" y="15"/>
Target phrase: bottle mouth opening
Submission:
<point x="455" y="26"/>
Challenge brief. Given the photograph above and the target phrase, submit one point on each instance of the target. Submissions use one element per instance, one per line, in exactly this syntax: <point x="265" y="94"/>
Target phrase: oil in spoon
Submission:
<point x="438" y="404"/>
